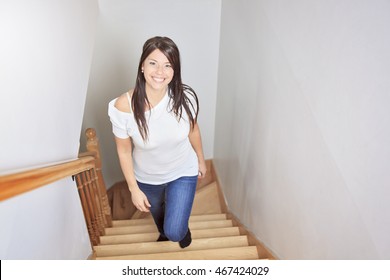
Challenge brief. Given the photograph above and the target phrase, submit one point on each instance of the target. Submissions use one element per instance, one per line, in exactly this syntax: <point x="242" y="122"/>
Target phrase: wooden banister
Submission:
<point x="90" y="184"/>
<point x="15" y="184"/>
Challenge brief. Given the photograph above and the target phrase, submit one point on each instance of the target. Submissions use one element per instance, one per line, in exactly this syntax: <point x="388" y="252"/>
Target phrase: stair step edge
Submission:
<point x="194" y="218"/>
<point x="151" y="237"/>
<point x="236" y="253"/>
<point x="152" y="228"/>
<point x="167" y="246"/>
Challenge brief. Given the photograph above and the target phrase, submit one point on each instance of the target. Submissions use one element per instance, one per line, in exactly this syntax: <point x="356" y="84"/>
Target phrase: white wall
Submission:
<point x="45" y="53"/>
<point x="123" y="28"/>
<point x="303" y="126"/>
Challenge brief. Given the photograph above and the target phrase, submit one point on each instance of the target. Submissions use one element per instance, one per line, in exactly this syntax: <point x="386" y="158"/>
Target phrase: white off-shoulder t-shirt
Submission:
<point x="167" y="154"/>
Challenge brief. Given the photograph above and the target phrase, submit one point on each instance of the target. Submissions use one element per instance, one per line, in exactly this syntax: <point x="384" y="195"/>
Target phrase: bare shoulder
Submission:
<point x="122" y="103"/>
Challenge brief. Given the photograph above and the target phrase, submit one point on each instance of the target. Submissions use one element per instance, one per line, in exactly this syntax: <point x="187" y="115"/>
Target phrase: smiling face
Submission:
<point x="158" y="72"/>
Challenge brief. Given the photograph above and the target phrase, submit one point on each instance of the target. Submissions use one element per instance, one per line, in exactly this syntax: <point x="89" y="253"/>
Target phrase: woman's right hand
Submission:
<point x="140" y="200"/>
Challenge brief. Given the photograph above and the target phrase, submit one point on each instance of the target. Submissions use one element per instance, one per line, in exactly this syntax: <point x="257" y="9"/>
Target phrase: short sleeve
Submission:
<point x="118" y="120"/>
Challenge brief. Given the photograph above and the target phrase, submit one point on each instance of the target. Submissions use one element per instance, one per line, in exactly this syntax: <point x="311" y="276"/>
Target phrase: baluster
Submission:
<point x="90" y="199"/>
<point x="93" y="146"/>
<point x="95" y="201"/>
<point x="99" y="198"/>
<point x="84" y="204"/>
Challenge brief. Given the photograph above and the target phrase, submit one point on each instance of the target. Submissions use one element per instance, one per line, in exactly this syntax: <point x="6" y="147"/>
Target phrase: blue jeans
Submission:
<point x="171" y="205"/>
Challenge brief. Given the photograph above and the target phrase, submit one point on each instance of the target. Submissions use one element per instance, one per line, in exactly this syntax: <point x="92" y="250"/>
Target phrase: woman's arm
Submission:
<point x="125" y="151"/>
<point x="196" y="142"/>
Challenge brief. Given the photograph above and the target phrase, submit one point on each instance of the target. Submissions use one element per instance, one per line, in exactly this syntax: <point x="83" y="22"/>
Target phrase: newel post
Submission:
<point x="93" y="146"/>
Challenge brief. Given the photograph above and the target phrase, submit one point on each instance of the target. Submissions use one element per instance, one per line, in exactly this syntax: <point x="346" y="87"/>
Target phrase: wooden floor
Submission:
<point x="216" y="233"/>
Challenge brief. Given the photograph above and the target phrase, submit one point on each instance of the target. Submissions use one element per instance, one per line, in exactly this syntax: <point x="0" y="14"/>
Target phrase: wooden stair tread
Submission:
<point x="149" y="237"/>
<point x="140" y="215"/>
<point x="168" y="246"/>
<point x="152" y="227"/>
<point x="193" y="218"/>
<point x="235" y="253"/>
<point x="205" y="200"/>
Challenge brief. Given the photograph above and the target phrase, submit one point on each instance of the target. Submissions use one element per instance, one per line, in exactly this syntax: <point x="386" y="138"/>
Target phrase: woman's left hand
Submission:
<point x="202" y="169"/>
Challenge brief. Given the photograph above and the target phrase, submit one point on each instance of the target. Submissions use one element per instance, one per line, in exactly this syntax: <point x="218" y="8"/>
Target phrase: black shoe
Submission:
<point x="162" y="237"/>
<point x="186" y="241"/>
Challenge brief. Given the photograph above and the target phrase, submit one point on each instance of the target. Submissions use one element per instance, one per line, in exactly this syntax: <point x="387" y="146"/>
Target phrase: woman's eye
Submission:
<point x="152" y="63"/>
<point x="168" y="66"/>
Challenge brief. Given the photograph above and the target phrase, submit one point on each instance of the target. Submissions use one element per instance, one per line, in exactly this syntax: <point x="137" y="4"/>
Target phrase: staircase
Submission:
<point x="216" y="233"/>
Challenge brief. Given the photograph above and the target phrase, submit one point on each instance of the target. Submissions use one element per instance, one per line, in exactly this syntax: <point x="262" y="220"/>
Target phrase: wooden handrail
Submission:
<point x="15" y="184"/>
<point x="86" y="171"/>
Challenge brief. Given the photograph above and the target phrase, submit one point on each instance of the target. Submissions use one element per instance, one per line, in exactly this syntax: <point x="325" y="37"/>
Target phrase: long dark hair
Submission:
<point x="177" y="90"/>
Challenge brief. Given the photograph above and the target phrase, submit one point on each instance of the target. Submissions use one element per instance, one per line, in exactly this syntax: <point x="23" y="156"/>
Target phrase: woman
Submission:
<point x="158" y="140"/>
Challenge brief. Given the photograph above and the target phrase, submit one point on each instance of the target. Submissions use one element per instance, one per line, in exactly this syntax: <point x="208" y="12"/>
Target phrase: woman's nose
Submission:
<point x="160" y="69"/>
